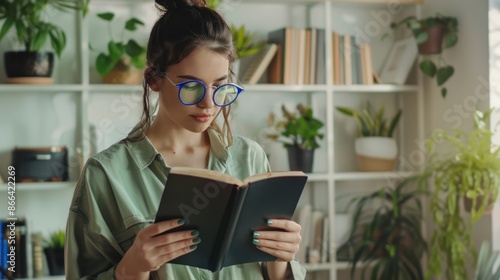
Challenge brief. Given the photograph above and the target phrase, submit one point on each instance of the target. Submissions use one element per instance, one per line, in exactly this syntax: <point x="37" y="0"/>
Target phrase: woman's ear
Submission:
<point x="151" y="79"/>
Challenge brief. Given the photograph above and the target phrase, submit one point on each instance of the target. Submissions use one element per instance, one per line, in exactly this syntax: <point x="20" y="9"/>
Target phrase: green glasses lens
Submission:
<point x="225" y="94"/>
<point x="192" y="92"/>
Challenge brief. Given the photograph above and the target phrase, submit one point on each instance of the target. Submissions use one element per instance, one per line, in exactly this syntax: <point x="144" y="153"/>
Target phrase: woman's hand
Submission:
<point x="151" y="249"/>
<point x="281" y="244"/>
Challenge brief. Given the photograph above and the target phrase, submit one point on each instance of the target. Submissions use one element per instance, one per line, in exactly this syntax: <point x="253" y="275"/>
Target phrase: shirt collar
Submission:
<point x="143" y="152"/>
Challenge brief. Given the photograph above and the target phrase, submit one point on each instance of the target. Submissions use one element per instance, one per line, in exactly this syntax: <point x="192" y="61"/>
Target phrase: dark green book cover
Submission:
<point x="227" y="211"/>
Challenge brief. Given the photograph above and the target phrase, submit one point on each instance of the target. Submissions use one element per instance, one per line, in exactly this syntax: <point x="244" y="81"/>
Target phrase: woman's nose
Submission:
<point x="207" y="101"/>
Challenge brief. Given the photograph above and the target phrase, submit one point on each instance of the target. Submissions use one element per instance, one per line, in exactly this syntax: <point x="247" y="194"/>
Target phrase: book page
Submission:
<point x="275" y="174"/>
<point x="206" y="173"/>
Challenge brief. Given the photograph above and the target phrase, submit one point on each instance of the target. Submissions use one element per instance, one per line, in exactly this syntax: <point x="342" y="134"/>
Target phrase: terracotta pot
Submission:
<point x="434" y="43"/>
<point x="124" y="73"/>
<point x="479" y="201"/>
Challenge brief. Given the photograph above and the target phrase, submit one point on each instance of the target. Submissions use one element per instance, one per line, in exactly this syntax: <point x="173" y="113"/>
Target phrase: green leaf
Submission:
<point x="116" y="50"/>
<point x="422" y="37"/>
<point x="139" y="61"/>
<point x="104" y="64"/>
<point x="444" y="73"/>
<point x="444" y="91"/>
<point x="428" y="67"/>
<point x="6" y="27"/>
<point x="450" y="40"/>
<point x="132" y="23"/>
<point x="106" y="16"/>
<point x="133" y="48"/>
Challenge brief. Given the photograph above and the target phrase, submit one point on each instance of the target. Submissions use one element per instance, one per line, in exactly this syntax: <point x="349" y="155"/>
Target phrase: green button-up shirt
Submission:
<point x="118" y="195"/>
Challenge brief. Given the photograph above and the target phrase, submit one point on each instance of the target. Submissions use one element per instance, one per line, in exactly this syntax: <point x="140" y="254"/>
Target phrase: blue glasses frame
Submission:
<point x="215" y="89"/>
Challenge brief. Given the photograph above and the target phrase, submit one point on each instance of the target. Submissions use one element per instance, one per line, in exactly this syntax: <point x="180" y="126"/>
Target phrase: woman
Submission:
<point x="110" y="232"/>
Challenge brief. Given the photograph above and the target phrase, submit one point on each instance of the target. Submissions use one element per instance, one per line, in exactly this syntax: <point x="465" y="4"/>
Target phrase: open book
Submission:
<point x="226" y="211"/>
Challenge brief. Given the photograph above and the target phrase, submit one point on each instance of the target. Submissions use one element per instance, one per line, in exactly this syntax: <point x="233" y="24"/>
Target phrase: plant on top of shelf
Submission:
<point x="466" y="172"/>
<point x="433" y="34"/>
<point x="299" y="132"/>
<point x="28" y="19"/>
<point x="386" y="232"/>
<point x="244" y="41"/>
<point x="124" y="61"/>
<point x="213" y="4"/>
<point x="375" y="148"/>
<point x="54" y="252"/>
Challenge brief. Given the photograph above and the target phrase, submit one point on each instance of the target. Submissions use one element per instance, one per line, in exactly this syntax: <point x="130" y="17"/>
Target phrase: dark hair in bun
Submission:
<point x="176" y="4"/>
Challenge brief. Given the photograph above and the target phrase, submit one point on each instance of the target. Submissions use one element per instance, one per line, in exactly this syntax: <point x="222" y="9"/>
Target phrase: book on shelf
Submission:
<point x="259" y="63"/>
<point x="226" y="211"/>
<point x="284" y="38"/>
<point x="13" y="248"/>
<point x="303" y="218"/>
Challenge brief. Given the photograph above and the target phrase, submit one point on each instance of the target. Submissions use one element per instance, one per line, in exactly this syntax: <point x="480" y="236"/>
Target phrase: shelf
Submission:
<point x="42" y="186"/>
<point x="317" y="266"/>
<point x="343" y="265"/>
<point x="361" y="176"/>
<point x="375" y="88"/>
<point x="108" y="88"/>
<point x="284" y="88"/>
<point x="40" y="88"/>
<point x="317" y="177"/>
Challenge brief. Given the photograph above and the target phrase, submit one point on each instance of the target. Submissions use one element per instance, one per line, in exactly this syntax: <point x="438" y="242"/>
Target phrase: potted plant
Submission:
<point x="32" y="30"/>
<point x="433" y="34"/>
<point x="244" y="45"/>
<point x="125" y="60"/>
<point x="386" y="232"/>
<point x="469" y="172"/>
<point x="299" y="133"/>
<point x="54" y="252"/>
<point x="375" y="148"/>
<point x="213" y="4"/>
<point x="487" y="267"/>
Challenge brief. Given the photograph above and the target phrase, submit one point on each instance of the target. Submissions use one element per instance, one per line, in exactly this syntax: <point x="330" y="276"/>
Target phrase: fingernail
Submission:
<point x="269" y="222"/>
<point x="181" y="221"/>
<point x="256" y="234"/>
<point x="195" y="233"/>
<point x="196" y="240"/>
<point x="192" y="247"/>
<point x="255" y="241"/>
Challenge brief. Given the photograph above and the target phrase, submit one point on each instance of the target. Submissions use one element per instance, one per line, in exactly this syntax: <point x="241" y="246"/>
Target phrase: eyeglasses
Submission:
<point x="191" y="92"/>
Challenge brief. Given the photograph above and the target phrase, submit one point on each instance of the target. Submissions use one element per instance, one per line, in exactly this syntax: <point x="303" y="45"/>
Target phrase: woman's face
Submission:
<point x="202" y="64"/>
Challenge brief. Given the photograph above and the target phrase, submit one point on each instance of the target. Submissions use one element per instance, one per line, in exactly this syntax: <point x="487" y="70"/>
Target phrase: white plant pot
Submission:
<point x="376" y="153"/>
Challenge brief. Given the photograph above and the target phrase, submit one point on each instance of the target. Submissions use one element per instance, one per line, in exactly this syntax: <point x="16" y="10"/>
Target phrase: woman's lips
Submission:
<point x="202" y="117"/>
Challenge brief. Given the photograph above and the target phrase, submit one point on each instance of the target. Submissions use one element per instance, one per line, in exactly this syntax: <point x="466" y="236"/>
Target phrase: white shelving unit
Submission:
<point x="86" y="103"/>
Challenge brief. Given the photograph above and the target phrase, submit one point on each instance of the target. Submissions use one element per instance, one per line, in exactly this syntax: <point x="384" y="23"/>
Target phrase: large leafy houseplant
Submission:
<point x="433" y="34"/>
<point x="32" y="28"/>
<point x="470" y="171"/>
<point x="386" y="232"/>
<point x="243" y="41"/>
<point x="122" y="54"/>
